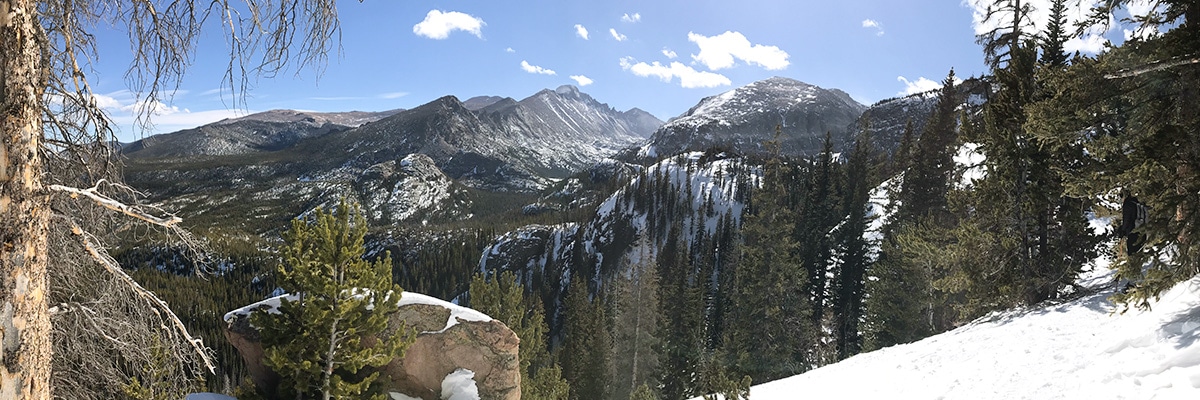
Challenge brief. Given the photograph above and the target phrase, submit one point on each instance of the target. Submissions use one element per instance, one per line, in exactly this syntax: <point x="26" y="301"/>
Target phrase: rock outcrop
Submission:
<point x="449" y="338"/>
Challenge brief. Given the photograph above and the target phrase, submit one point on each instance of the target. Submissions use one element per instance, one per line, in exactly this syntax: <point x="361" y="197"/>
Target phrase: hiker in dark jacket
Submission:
<point x="1133" y="215"/>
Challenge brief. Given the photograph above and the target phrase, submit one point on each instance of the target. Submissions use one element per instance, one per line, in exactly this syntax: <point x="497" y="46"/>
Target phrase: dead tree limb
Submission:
<point x="164" y="310"/>
<point x="1152" y="67"/>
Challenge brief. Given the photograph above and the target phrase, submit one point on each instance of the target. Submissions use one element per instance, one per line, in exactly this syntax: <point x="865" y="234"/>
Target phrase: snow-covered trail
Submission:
<point x="1082" y="349"/>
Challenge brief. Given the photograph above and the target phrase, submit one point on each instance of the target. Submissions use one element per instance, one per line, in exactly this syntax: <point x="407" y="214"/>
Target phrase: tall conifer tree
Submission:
<point x="329" y="339"/>
<point x="769" y="332"/>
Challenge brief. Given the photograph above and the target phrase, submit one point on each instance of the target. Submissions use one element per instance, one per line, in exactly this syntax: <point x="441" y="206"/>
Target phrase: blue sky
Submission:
<point x="660" y="56"/>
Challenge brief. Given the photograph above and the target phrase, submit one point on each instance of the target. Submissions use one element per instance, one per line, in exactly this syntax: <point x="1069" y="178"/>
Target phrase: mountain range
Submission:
<point x="275" y="165"/>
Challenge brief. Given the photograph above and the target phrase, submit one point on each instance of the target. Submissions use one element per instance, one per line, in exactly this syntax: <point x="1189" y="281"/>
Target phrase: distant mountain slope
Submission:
<point x="266" y="131"/>
<point x="274" y="166"/>
<point x="887" y="118"/>
<point x="1080" y="349"/>
<point x="741" y="119"/>
<point x="512" y="145"/>
<point x="479" y="102"/>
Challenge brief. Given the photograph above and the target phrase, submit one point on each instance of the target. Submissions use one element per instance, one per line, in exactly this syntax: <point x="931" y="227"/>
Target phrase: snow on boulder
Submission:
<point x="1081" y="349"/>
<point x="460" y="385"/>
<point x="449" y="338"/>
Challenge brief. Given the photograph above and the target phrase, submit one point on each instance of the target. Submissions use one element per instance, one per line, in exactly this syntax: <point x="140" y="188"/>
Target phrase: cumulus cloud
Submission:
<point x="920" y="85"/>
<point x="670" y="54"/>
<point x="718" y="52"/>
<point x="581" y="31"/>
<point x="688" y="77"/>
<point x="439" y="24"/>
<point x="509" y="50"/>
<point x="106" y="102"/>
<point x="582" y="80"/>
<point x="631" y="18"/>
<point x="615" y="35"/>
<point x="873" y="24"/>
<point x="534" y="69"/>
<point x="1091" y="40"/>
<point x="124" y="109"/>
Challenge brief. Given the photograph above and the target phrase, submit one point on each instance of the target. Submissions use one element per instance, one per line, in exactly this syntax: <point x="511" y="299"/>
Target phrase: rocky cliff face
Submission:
<point x="449" y="338"/>
<point x="886" y="119"/>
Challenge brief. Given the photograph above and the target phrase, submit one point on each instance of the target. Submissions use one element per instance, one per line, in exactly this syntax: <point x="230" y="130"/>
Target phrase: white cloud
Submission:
<point x="873" y="24"/>
<point x="670" y="54"/>
<point x="582" y="80"/>
<point x="106" y="102"/>
<point x="719" y="52"/>
<point x="393" y="95"/>
<point x="688" y="77"/>
<point x="155" y="108"/>
<point x="920" y="85"/>
<point x="631" y="18"/>
<point x="1091" y="41"/>
<point x="615" y="35"/>
<point x="581" y="31"/>
<point x="509" y="50"/>
<point x="533" y="69"/>
<point x="438" y="24"/>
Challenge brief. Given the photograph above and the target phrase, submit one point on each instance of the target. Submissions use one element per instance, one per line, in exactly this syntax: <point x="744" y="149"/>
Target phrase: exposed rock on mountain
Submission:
<point x="479" y="102"/>
<point x="274" y="166"/>
<point x="741" y="119"/>
<point x="261" y="132"/>
<point x="410" y="189"/>
<point x="692" y="195"/>
<point x="887" y="118"/>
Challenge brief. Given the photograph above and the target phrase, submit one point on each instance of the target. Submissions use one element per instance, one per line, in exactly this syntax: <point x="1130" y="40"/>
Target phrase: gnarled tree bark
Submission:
<point x="24" y="217"/>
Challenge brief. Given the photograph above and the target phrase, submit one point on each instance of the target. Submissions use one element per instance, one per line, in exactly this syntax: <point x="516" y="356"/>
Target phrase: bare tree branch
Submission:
<point x="106" y="202"/>
<point x="111" y="265"/>
<point x="1152" y="67"/>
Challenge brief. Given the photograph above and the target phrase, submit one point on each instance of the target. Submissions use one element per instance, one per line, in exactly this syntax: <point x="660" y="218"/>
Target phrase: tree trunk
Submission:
<point x="24" y="212"/>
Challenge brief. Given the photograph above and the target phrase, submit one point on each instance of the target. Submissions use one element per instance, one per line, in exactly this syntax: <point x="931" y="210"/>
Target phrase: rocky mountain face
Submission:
<point x="741" y="119"/>
<point x="696" y="196"/>
<point x="404" y="166"/>
<point x="887" y="118"/>
<point x="261" y="132"/>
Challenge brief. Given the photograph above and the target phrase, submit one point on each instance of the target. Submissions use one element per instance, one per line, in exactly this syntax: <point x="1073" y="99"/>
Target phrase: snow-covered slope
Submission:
<point x="1081" y="349"/>
<point x="741" y="119"/>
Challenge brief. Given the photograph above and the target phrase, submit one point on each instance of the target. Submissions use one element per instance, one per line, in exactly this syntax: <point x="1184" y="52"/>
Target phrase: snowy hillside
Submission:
<point x="1080" y="349"/>
<point x="741" y="119"/>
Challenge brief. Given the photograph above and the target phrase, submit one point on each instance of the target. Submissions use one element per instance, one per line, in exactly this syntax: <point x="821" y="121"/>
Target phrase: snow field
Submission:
<point x="1081" y="349"/>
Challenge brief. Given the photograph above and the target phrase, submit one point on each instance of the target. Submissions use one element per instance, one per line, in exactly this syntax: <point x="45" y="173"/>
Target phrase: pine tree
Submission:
<point x="1053" y="54"/>
<point x="502" y="298"/>
<point x="1040" y="238"/>
<point x="903" y="303"/>
<point x="329" y="337"/>
<point x="680" y="326"/>
<point x="848" y="287"/>
<point x="1133" y="110"/>
<point x="636" y="323"/>
<point x="586" y="348"/>
<point x="769" y="330"/>
<point x="814" y="229"/>
<point x="927" y="179"/>
<point x="1012" y="27"/>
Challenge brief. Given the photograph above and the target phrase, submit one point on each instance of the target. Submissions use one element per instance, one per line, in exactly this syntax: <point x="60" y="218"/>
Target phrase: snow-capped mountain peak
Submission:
<point x="742" y="118"/>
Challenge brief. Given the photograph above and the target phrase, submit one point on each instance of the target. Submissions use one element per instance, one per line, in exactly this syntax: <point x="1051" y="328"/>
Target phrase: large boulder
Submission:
<point x="449" y="338"/>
